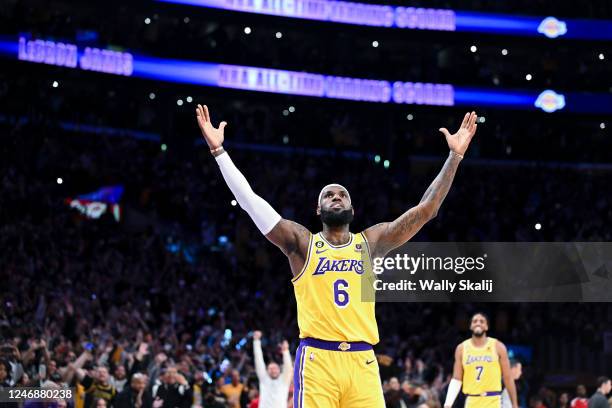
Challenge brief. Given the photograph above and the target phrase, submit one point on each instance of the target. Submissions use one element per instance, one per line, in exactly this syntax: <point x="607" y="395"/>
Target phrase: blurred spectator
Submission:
<point x="581" y="400"/>
<point x="171" y="390"/>
<point x="233" y="390"/>
<point x="600" y="398"/>
<point x="273" y="382"/>
<point x="132" y="396"/>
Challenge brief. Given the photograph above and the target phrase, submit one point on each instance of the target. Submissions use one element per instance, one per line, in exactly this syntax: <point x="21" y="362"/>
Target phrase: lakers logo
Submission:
<point x="344" y="346"/>
<point x="552" y="28"/>
<point x="550" y="101"/>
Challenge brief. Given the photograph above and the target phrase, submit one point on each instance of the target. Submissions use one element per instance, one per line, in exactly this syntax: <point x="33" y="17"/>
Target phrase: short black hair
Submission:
<point x="602" y="380"/>
<point x="483" y="314"/>
<point x="514" y="362"/>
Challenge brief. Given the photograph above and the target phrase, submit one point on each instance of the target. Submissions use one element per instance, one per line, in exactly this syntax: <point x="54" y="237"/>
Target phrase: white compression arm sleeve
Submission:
<point x="262" y="213"/>
<point x="451" y="394"/>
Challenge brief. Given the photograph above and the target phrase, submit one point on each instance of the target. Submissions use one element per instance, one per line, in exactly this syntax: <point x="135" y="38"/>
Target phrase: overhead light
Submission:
<point x="473" y="48"/>
<point x="279" y="35"/>
<point x="147" y="20"/>
<point x="59" y="180"/>
<point x="375" y="44"/>
<point x="538" y="226"/>
<point x="504" y="52"/>
<point x="247" y="30"/>
<point x="55" y="84"/>
<point x="189" y="99"/>
<point x="410" y="116"/>
<point x="179" y="102"/>
<point x="602" y="125"/>
<point x="186" y="20"/>
<point x="528" y="77"/>
<point x="151" y="96"/>
<point x="285" y="112"/>
<point x="601" y="56"/>
<point x="292" y="109"/>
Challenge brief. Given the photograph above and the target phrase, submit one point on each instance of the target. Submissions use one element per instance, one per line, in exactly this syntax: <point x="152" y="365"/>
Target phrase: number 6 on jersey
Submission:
<point x="341" y="296"/>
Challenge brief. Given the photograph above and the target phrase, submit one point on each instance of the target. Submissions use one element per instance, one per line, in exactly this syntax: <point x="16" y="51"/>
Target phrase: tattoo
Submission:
<point x="301" y="235"/>
<point x="437" y="191"/>
<point x="408" y="221"/>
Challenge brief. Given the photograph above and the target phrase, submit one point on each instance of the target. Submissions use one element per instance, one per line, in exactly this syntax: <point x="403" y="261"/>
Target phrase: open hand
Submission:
<point x="459" y="141"/>
<point x="214" y="136"/>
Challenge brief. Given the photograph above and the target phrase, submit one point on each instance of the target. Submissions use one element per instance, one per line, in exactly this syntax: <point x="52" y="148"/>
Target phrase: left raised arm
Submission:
<point x="389" y="235"/>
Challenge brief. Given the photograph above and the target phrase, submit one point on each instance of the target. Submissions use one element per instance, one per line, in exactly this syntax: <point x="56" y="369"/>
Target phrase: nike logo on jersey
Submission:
<point x="370" y="362"/>
<point x="322" y="250"/>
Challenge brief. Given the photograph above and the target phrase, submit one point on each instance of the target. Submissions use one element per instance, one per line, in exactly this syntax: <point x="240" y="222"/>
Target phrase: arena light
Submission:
<point x="278" y="35"/>
<point x="504" y="52"/>
<point x="59" y="180"/>
<point x="152" y="95"/>
<point x="416" y="18"/>
<point x="473" y="48"/>
<point x="55" y="84"/>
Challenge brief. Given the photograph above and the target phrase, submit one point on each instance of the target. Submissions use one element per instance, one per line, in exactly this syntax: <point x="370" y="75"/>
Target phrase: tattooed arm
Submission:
<point x="386" y="236"/>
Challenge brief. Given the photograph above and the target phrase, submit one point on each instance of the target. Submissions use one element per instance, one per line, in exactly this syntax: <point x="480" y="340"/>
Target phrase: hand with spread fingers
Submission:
<point x="459" y="141"/>
<point x="214" y="136"/>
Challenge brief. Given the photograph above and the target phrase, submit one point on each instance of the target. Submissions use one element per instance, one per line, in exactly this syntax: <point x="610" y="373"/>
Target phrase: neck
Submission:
<point x="479" y="341"/>
<point x="339" y="235"/>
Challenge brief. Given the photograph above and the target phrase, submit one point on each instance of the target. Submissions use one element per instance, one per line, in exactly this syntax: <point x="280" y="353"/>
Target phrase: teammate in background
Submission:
<point x="481" y="363"/>
<point x="516" y="368"/>
<point x="273" y="382"/>
<point x="335" y="363"/>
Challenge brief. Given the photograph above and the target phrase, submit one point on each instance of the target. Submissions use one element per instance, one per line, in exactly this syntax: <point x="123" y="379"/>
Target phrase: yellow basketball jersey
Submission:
<point x="328" y="292"/>
<point x="481" y="368"/>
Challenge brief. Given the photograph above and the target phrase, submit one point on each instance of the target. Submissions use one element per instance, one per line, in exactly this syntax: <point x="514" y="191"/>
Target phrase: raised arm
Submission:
<point x="504" y="362"/>
<point x="389" y="235"/>
<point x="287" y="370"/>
<point x="289" y="236"/>
<point x="260" y="365"/>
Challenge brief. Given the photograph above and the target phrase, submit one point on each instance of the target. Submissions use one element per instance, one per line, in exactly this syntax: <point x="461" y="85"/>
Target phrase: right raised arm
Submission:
<point x="289" y="236"/>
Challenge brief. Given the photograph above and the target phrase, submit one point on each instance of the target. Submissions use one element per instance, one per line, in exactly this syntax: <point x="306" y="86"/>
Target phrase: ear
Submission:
<point x="353" y="210"/>
<point x="318" y="209"/>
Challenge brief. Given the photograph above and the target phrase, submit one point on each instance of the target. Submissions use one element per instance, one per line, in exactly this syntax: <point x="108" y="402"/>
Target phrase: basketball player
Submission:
<point x="481" y="363"/>
<point x="335" y="365"/>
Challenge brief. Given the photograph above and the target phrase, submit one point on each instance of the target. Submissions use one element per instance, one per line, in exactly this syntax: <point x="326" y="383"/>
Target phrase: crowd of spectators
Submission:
<point x="158" y="310"/>
<point x="158" y="307"/>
